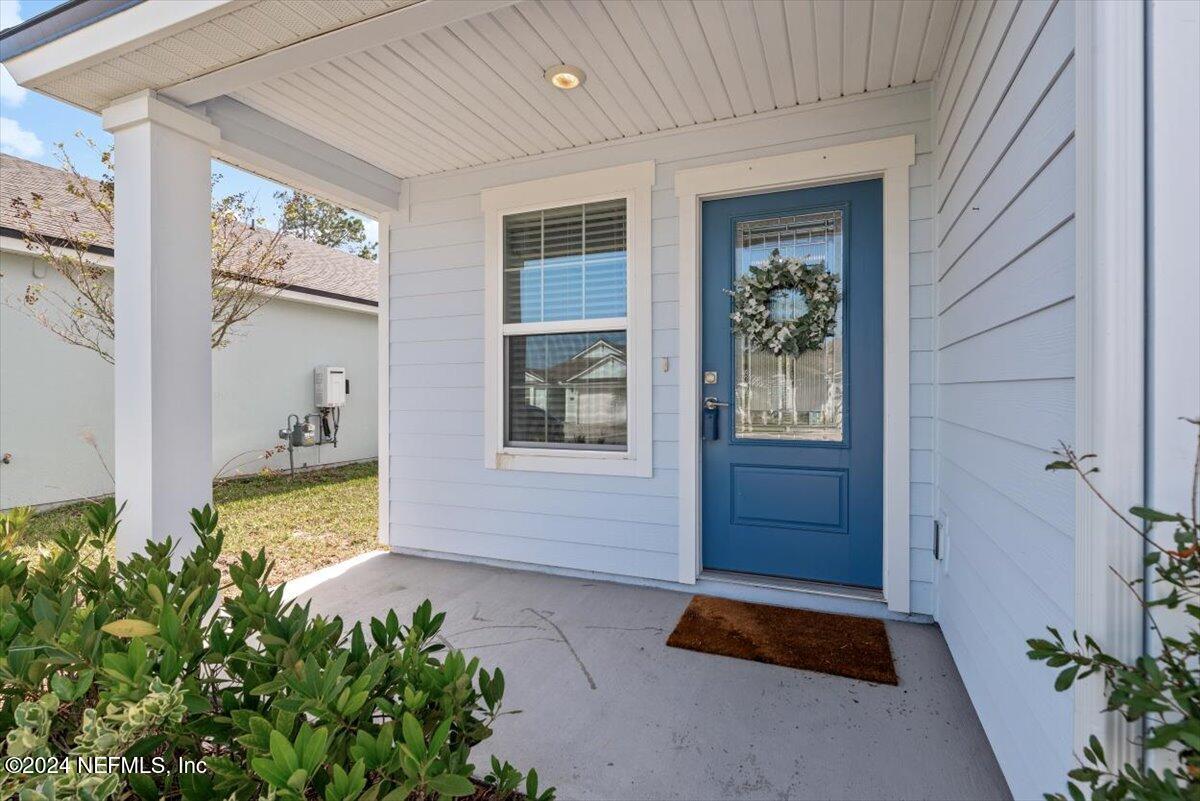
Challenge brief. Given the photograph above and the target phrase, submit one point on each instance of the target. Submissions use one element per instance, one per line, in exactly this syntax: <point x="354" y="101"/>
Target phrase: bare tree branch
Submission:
<point x="248" y="261"/>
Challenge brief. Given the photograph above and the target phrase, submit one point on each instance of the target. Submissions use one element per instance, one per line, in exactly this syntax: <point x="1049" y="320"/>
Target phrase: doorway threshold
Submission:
<point x="786" y="585"/>
<point x="812" y="595"/>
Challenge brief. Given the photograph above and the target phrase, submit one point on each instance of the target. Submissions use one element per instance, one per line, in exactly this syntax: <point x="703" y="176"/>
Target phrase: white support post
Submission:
<point x="383" y="355"/>
<point x="1110" y="345"/>
<point x="163" y="307"/>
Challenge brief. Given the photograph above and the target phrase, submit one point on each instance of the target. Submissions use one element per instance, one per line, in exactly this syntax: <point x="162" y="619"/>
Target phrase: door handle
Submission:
<point x="711" y="429"/>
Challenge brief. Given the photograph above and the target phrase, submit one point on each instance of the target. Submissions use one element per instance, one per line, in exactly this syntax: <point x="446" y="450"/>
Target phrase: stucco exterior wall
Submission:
<point x="54" y="397"/>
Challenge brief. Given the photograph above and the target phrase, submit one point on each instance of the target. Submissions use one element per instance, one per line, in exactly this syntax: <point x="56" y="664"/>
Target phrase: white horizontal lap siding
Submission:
<point x="1003" y="207"/>
<point x="442" y="497"/>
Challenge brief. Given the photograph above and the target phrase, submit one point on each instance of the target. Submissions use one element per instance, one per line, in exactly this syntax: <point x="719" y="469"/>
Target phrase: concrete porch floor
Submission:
<point x="608" y="711"/>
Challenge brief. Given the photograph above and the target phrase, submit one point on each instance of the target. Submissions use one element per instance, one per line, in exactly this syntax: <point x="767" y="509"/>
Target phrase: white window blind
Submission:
<point x="566" y="387"/>
<point x="567" y="263"/>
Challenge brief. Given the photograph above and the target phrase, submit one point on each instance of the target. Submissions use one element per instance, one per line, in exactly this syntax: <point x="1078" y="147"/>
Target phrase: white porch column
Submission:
<point x="163" y="303"/>
<point x="1110" y="328"/>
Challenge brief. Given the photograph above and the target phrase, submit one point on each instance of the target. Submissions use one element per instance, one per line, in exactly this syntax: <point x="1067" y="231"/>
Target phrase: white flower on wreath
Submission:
<point x="751" y="315"/>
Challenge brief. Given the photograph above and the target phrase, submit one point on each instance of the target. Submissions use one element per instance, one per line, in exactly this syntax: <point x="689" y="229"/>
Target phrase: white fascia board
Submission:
<point x="12" y="244"/>
<point x="262" y="144"/>
<point x="330" y="303"/>
<point x="398" y="24"/>
<point x="113" y="36"/>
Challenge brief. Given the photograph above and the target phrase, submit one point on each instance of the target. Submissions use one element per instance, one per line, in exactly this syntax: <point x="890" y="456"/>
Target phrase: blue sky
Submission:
<point x="32" y="125"/>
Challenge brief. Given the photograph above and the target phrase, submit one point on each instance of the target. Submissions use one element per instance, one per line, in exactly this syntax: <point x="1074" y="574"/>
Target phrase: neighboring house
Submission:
<point x="56" y="399"/>
<point x="577" y="396"/>
<point x="1007" y="189"/>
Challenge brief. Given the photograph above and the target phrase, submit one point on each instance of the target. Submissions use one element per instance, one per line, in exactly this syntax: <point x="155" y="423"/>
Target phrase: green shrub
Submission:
<point x="140" y="659"/>
<point x="13" y="523"/>
<point x="1161" y="691"/>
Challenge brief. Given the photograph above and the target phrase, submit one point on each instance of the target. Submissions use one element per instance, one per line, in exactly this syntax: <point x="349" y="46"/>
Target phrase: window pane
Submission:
<point x="604" y="260"/>
<point x="790" y="397"/>
<point x="567" y="390"/>
<point x="567" y="263"/>
<point x="523" y="266"/>
<point x="562" y="291"/>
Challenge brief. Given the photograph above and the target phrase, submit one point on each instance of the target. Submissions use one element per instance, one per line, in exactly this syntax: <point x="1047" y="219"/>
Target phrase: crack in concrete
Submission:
<point x="655" y="629"/>
<point x="497" y="626"/>
<point x="509" y="642"/>
<point x="591" y="682"/>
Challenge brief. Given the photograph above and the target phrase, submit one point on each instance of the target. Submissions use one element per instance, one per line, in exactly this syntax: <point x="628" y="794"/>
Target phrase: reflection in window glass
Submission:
<point x="567" y="390"/>
<point x="790" y="397"/>
<point x="566" y="263"/>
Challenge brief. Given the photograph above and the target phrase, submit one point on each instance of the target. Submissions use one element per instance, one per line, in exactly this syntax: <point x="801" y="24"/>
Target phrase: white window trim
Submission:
<point x="888" y="159"/>
<point x="634" y="183"/>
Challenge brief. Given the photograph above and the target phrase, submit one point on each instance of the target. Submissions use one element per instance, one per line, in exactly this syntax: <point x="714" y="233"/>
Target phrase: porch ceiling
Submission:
<point x="414" y="87"/>
<point x="472" y="92"/>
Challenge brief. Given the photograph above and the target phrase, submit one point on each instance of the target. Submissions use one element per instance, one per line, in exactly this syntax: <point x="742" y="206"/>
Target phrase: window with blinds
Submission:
<point x="567" y="263"/>
<point x="565" y="327"/>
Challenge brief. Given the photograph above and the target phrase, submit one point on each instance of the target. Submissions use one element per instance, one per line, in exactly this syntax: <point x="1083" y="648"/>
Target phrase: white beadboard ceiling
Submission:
<point x="249" y="29"/>
<point x="472" y="92"/>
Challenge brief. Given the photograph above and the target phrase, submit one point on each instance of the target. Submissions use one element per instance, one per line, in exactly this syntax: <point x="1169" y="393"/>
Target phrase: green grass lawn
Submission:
<point x="308" y="522"/>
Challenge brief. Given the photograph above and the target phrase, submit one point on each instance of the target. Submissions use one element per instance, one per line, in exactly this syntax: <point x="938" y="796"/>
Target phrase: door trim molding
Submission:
<point x="888" y="159"/>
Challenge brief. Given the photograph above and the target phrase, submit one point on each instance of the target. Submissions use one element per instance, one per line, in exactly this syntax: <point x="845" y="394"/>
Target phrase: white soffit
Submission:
<point x="472" y="92"/>
<point x="248" y="29"/>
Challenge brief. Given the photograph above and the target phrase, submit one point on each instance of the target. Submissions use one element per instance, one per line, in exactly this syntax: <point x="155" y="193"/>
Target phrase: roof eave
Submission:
<point x="56" y="23"/>
<point x="78" y="34"/>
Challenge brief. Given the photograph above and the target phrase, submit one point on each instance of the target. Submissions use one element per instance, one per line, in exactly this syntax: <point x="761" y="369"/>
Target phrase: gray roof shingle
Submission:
<point x="311" y="267"/>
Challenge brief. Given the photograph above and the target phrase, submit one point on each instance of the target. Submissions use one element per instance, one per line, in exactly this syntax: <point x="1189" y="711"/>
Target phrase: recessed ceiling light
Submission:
<point x="564" y="76"/>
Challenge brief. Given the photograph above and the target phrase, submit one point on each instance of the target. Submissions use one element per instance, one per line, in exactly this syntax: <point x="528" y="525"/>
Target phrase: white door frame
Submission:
<point x="888" y="159"/>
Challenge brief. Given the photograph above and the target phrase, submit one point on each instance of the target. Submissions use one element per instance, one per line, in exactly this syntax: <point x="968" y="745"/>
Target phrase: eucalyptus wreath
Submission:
<point x="751" y="314"/>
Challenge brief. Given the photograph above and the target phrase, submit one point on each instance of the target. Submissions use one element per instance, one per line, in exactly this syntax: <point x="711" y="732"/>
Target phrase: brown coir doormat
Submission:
<point x="856" y="647"/>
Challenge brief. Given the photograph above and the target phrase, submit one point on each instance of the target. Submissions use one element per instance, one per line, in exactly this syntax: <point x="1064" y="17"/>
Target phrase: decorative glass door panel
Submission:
<point x="786" y="397"/>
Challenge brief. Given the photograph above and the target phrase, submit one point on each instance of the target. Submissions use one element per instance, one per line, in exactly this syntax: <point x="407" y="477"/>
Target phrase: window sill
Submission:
<point x="595" y="463"/>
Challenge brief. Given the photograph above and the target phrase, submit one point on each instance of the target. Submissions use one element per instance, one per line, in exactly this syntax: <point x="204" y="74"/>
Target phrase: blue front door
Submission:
<point x="793" y="445"/>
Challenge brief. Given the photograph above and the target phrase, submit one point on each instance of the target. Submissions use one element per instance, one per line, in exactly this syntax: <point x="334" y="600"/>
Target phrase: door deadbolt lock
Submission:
<point x="710" y="376"/>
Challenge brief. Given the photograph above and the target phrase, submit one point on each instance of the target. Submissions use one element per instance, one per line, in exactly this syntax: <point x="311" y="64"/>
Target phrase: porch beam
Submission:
<point x="262" y="144"/>
<point x="413" y="19"/>
<point x="163" y="301"/>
